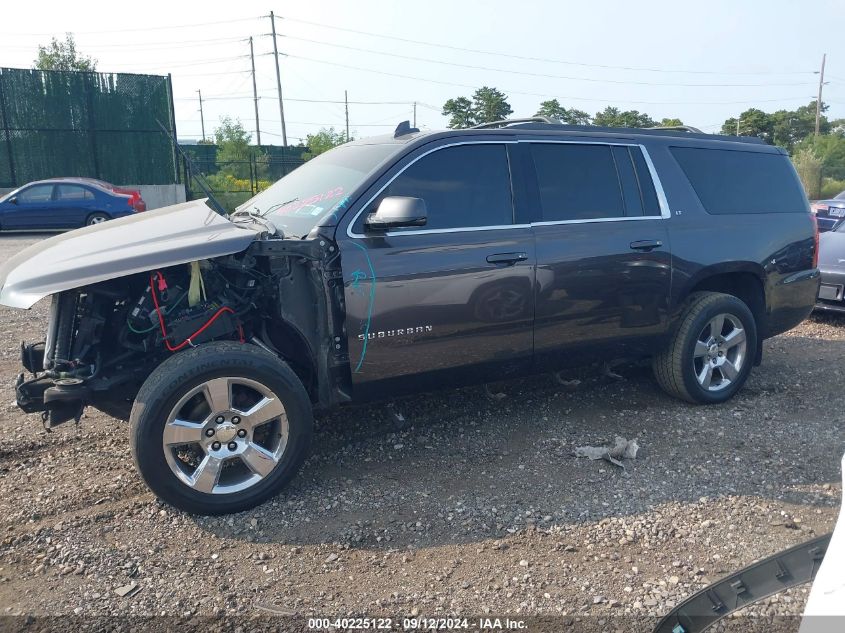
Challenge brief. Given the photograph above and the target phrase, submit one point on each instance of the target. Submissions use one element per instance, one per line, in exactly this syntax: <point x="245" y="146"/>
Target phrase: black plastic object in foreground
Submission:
<point x="762" y="579"/>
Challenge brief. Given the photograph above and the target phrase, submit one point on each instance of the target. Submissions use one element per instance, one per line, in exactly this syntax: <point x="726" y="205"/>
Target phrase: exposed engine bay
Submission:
<point x="103" y="340"/>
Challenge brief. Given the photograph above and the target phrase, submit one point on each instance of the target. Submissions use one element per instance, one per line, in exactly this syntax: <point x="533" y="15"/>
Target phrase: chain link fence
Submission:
<point x="235" y="181"/>
<point x="97" y="125"/>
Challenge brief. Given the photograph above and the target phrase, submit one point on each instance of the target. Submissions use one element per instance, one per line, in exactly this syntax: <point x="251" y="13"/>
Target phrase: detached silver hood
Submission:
<point x="155" y="239"/>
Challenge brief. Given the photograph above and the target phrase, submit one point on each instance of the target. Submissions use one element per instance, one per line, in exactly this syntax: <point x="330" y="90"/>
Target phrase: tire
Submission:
<point x="97" y="218"/>
<point x="682" y="367"/>
<point x="240" y="384"/>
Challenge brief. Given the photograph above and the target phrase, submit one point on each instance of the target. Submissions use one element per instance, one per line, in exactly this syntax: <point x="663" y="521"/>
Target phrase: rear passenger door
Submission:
<point x="603" y="252"/>
<point x="72" y="205"/>
<point x="449" y="301"/>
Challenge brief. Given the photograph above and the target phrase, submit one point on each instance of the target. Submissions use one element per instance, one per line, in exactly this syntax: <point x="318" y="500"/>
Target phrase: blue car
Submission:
<point x="65" y="203"/>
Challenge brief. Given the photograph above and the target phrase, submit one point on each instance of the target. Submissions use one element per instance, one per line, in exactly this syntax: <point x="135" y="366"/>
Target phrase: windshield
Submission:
<point x="298" y="202"/>
<point x="840" y="196"/>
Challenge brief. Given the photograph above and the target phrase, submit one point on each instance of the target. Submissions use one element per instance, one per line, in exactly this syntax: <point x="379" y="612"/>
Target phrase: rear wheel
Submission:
<point x="96" y="218"/>
<point x="711" y="354"/>
<point x="220" y="428"/>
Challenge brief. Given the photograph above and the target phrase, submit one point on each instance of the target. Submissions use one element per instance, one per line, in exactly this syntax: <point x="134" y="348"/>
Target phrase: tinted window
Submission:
<point x="35" y="194"/>
<point x="577" y="182"/>
<point x="730" y="181"/>
<point x="463" y="186"/>
<point x="73" y="192"/>
<point x="648" y="195"/>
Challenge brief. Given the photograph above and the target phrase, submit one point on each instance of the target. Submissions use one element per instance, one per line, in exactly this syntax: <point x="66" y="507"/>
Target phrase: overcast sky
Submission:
<point x="700" y="62"/>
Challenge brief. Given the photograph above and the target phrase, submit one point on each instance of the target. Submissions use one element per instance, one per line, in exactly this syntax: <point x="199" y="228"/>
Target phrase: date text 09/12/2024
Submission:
<point x="416" y="624"/>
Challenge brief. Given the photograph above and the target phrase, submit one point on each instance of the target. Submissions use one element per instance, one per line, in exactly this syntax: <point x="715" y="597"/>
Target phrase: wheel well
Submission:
<point x="93" y="213"/>
<point x="294" y="349"/>
<point x="743" y="285"/>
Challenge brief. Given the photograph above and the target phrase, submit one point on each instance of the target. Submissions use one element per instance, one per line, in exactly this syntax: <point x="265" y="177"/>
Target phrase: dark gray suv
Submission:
<point x="409" y="262"/>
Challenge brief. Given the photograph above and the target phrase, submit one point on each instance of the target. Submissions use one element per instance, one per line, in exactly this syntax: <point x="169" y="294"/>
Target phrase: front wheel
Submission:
<point x="220" y="428"/>
<point x="711" y="354"/>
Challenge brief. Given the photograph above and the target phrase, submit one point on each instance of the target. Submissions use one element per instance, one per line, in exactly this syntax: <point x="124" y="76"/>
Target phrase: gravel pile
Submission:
<point x="450" y="503"/>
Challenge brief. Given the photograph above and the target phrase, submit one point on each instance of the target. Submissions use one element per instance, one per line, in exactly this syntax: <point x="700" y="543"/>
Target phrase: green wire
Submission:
<point x="153" y="327"/>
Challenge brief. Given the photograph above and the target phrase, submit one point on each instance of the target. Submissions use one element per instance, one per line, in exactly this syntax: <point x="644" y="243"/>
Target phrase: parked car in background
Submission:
<point x="66" y="203"/>
<point x="137" y="201"/>
<point x="832" y="269"/>
<point x="830" y="213"/>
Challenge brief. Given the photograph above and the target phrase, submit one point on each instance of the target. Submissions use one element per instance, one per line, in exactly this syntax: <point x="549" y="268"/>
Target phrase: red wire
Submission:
<point x="192" y="336"/>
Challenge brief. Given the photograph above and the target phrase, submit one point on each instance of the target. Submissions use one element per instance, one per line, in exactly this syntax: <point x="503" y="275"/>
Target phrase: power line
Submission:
<point x="143" y="29"/>
<point x="526" y="73"/>
<point x="149" y="45"/>
<point x="536" y="94"/>
<point x="542" y="59"/>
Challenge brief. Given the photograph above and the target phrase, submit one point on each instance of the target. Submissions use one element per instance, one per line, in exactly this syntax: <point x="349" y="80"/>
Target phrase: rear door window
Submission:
<point x="74" y="193"/>
<point x="577" y="182"/>
<point x="736" y="181"/>
<point x="463" y="186"/>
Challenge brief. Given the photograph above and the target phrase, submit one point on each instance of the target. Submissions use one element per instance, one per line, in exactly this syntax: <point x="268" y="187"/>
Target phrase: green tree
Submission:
<point x="783" y="127"/>
<point x="323" y="141"/>
<point x="490" y="104"/>
<point x="571" y="116"/>
<point x="752" y="122"/>
<point x="830" y="151"/>
<point x="63" y="56"/>
<point x="670" y="122"/>
<point x="460" y="113"/>
<point x="234" y="151"/>
<point x="809" y="167"/>
<point x="487" y="105"/>
<point x="614" y="117"/>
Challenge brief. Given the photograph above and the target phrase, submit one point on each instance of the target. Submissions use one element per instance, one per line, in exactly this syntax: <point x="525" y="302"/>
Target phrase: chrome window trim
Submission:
<point x="662" y="201"/>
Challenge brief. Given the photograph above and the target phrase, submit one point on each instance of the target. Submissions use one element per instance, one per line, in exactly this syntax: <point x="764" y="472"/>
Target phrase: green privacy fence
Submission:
<point x="97" y="125"/>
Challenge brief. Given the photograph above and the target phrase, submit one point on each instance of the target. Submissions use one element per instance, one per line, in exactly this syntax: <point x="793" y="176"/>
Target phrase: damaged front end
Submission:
<point x="104" y="339"/>
<point x="126" y="296"/>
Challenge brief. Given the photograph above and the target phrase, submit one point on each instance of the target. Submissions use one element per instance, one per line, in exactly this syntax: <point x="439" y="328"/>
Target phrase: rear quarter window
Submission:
<point x="735" y="181"/>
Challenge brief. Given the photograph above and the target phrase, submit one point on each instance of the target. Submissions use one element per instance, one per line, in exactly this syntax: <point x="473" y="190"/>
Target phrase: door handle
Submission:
<point x="506" y="258"/>
<point x="646" y="245"/>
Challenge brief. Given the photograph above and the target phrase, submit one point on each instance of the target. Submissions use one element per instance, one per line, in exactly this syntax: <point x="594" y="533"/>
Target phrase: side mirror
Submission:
<point x="13" y="200"/>
<point x="397" y="211"/>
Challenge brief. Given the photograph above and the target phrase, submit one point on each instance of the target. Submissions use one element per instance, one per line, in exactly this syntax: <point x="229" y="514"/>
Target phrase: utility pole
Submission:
<point x="346" y="107"/>
<point x="279" y="80"/>
<point x="202" y="118"/>
<point x="254" y="93"/>
<point x="415" y="114"/>
<point x="819" y="99"/>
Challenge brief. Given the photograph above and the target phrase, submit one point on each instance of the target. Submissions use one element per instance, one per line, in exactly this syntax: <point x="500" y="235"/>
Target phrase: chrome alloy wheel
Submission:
<point x="225" y="435"/>
<point x="720" y="352"/>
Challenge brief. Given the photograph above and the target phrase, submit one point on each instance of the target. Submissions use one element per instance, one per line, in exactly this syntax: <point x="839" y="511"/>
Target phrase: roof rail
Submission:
<point x="676" y="128"/>
<point x="504" y="122"/>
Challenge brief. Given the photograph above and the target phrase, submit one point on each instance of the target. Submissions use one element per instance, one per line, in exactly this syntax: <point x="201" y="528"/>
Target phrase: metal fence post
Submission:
<point x="7" y="132"/>
<point x="92" y="132"/>
<point x="172" y="113"/>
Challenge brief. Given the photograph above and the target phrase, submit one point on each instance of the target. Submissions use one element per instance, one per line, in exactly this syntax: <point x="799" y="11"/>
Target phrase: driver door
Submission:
<point x="32" y="209"/>
<point x="448" y="302"/>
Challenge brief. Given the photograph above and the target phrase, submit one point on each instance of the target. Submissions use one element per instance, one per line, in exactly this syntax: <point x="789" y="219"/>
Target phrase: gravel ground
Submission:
<point x="473" y="505"/>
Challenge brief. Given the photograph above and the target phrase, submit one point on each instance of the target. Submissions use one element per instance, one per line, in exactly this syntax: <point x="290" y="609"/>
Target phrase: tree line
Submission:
<point x="819" y="159"/>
